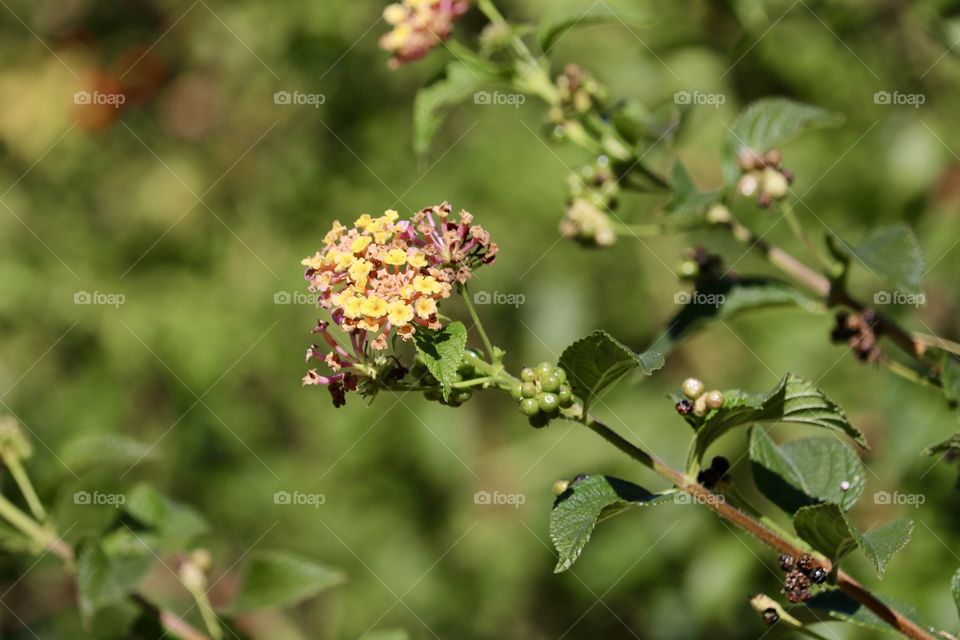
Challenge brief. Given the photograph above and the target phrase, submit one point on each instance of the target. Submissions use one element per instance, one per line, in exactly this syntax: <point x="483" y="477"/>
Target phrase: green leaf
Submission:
<point x="442" y="352"/>
<point x="805" y="472"/>
<point x="585" y="503"/>
<point x="793" y="400"/>
<point x="174" y="525"/>
<point x="882" y="543"/>
<point x="279" y="579"/>
<point x="955" y="589"/>
<point x="727" y="299"/>
<point x="828" y="529"/>
<point x="597" y="361"/>
<point x="564" y="16"/>
<point x="102" y="449"/>
<point x="108" y="572"/>
<point x="839" y="606"/>
<point x="893" y="254"/>
<point x="688" y="201"/>
<point x="387" y="634"/>
<point x="434" y="101"/>
<point x="769" y="123"/>
<point x="951" y="444"/>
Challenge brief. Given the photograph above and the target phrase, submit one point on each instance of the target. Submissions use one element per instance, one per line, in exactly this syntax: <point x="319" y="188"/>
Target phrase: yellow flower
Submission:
<point x="334" y="234"/>
<point x="425" y="307"/>
<point x="363" y="221"/>
<point x="353" y="307"/>
<point x="359" y="271"/>
<point x="426" y="285"/>
<point x="360" y="244"/>
<point x="313" y="262"/>
<point x="395" y="257"/>
<point x="341" y="297"/>
<point x="391" y="215"/>
<point x="343" y="259"/>
<point x="370" y="324"/>
<point x="407" y="291"/>
<point x="374" y="307"/>
<point x="395" y="14"/>
<point x="417" y="260"/>
<point x="399" y="313"/>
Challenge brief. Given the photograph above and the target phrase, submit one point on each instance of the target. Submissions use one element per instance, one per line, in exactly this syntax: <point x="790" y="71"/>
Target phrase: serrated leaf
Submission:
<point x="102" y="449"/>
<point x="442" y="352"/>
<point x="950" y="444"/>
<point x="767" y="124"/>
<point x="174" y="525"/>
<point x="585" y="503"/>
<point x="597" y="361"/>
<point x="279" y="579"/>
<point x="105" y="576"/>
<point x="828" y="530"/>
<point x="793" y="400"/>
<point x="564" y="16"/>
<point x="434" y="101"/>
<point x="882" y="543"/>
<point x="727" y="299"/>
<point x="893" y="254"/>
<point x="805" y="472"/>
<point x="688" y="201"/>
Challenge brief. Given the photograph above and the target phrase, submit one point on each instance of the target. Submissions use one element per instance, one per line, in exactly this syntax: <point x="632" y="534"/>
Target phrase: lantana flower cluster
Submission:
<point x="383" y="277"/>
<point x="418" y="27"/>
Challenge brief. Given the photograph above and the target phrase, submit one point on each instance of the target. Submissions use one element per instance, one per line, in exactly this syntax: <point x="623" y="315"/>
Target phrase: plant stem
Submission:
<point x="772" y="539"/>
<point x="487" y="345"/>
<point x="23" y="482"/>
<point x="798" y="230"/>
<point x="49" y="540"/>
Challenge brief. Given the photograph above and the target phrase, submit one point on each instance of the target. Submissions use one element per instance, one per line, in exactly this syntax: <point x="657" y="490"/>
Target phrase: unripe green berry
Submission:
<point x="714" y="399"/>
<point x="528" y="374"/>
<point x="688" y="270"/>
<point x="528" y="389"/>
<point x="700" y="407"/>
<point x="529" y="406"/>
<point x="692" y="388"/>
<point x="462" y="396"/>
<point x="551" y="384"/>
<point x="544" y="369"/>
<point x="516" y="390"/>
<point x="433" y="395"/>
<point x="560" y="486"/>
<point x="561" y="373"/>
<point x="566" y="396"/>
<point x="549" y="402"/>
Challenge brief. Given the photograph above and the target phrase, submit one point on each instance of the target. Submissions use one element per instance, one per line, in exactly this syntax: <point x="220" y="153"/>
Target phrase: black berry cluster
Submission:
<point x="762" y="175"/>
<point x="770" y="616"/>
<point x="542" y="392"/>
<point x="697" y="400"/>
<point x="860" y="332"/>
<point x="802" y="574"/>
<point x="715" y="473"/>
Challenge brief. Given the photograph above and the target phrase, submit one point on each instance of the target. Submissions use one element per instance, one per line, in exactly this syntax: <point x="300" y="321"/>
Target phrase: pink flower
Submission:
<point x="418" y="27"/>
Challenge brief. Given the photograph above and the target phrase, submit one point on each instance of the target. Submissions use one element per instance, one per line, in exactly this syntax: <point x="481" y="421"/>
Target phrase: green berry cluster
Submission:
<point x="698" y="400"/>
<point x="434" y="392"/>
<point x="542" y="392"/>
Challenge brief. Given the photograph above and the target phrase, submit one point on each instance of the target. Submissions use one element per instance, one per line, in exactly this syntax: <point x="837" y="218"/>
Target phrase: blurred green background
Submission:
<point x="197" y="199"/>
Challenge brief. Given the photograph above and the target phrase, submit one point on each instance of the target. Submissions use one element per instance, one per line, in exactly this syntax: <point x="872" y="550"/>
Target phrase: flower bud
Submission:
<point x="13" y="440"/>
<point x="747" y="184"/>
<point x="775" y="184"/>
<point x="692" y="388"/>
<point x="192" y="577"/>
<point x="560" y="487"/>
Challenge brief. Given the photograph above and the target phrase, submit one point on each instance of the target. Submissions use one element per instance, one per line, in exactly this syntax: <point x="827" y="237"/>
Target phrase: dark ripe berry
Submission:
<point x="786" y="562"/>
<point x="461" y="396"/>
<point x="529" y="407"/>
<point x="796" y="579"/>
<point x="799" y="595"/>
<point x="805" y="563"/>
<point x="539" y="421"/>
<point x="580" y="476"/>
<point x="528" y="389"/>
<point x="770" y="616"/>
<point x="819" y="575"/>
<point x="528" y="374"/>
<point x="684" y="407"/>
<point x="720" y="464"/>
